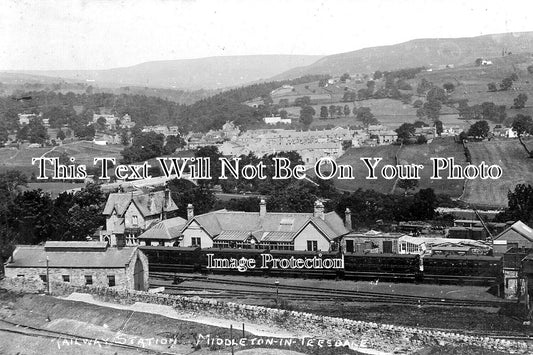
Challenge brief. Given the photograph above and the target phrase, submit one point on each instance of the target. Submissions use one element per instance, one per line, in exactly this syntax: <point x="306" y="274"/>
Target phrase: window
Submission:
<point x="88" y="279"/>
<point x="20" y="275"/>
<point x="43" y="277"/>
<point x="196" y="241"/>
<point x="134" y="220"/>
<point x="111" y="280"/>
<point x="66" y="278"/>
<point x="312" y="245"/>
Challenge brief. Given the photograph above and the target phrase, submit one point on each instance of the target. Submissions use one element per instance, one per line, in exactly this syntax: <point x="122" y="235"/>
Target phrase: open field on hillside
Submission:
<point x="353" y="157"/>
<point x="517" y="168"/>
<point x="391" y="113"/>
<point x="438" y="148"/>
<point x="84" y="153"/>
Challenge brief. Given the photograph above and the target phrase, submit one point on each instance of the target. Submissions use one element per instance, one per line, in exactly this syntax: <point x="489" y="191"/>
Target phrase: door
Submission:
<point x="387" y="246"/>
<point x="138" y="276"/>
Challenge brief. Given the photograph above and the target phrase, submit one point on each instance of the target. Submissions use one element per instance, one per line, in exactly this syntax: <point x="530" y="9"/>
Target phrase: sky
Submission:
<point x="101" y="34"/>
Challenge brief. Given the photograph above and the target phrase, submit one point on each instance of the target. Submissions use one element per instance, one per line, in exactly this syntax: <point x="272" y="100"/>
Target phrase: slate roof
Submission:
<point x="218" y="224"/>
<point x="520" y="228"/>
<point x="148" y="204"/>
<point x="35" y="256"/>
<point x="166" y="229"/>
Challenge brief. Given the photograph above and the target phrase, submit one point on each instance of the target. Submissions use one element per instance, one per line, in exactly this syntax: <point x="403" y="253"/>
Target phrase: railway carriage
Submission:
<point x="174" y="259"/>
<point x="465" y="269"/>
<point x="381" y="266"/>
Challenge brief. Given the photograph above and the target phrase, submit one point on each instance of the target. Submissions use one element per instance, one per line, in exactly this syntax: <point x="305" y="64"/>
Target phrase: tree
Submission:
<point x="22" y="133"/>
<point x="419" y="124"/>
<point x="520" y="205"/>
<point x="423" y="87"/>
<point x="407" y="184"/>
<point x="61" y="135"/>
<point x="37" y="132"/>
<point x="478" y="62"/>
<point x="406" y="131"/>
<point x="449" y="87"/>
<point x="365" y="115"/>
<point x="438" y="127"/>
<point x="480" y="130"/>
<point x="306" y="115"/>
<point x="506" y="84"/>
<point x="377" y="75"/>
<point x="346" y="110"/>
<point x="418" y="104"/>
<point x="530" y="69"/>
<point x="101" y="123"/>
<point x="520" y="101"/>
<point x="492" y="87"/>
<point x="344" y="77"/>
<point x="436" y="94"/>
<point x="302" y="101"/>
<point x="523" y="124"/>
<point x="323" y="112"/>
<point x="183" y="192"/>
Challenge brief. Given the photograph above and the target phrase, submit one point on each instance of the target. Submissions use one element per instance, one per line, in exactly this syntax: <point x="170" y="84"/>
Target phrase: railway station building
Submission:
<point x="317" y="231"/>
<point x="80" y="263"/>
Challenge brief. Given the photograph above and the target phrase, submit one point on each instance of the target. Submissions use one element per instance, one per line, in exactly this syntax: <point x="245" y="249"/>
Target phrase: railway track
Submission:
<point x="265" y="290"/>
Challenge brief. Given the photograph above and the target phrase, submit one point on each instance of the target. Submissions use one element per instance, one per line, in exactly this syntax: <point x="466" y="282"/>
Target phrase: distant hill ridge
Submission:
<point x="426" y="52"/>
<point x="189" y="74"/>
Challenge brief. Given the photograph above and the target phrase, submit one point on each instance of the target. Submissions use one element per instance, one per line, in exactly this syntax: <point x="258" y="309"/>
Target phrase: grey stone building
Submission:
<point x="81" y="263"/>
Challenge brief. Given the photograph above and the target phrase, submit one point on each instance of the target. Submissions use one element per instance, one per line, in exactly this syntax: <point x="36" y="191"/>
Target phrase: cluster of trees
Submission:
<point x="407" y="132"/>
<point x="32" y="216"/>
<point x="505" y="84"/>
<point x="520" y="205"/>
<point x="486" y="111"/>
<point x="147" y="145"/>
<point x="436" y="97"/>
<point x="334" y="111"/>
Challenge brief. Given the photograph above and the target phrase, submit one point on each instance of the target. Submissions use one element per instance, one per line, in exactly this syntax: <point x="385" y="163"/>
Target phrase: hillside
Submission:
<point x="517" y="168"/>
<point x="190" y="74"/>
<point x="419" y="52"/>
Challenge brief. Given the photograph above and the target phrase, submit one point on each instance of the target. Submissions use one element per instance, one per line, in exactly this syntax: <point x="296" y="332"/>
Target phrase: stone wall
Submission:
<point x="378" y="336"/>
<point x="77" y="276"/>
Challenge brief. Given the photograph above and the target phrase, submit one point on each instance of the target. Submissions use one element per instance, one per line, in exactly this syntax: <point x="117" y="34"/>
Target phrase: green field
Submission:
<point x="83" y="152"/>
<point x="353" y="157"/>
<point x="438" y="148"/>
<point x="517" y="168"/>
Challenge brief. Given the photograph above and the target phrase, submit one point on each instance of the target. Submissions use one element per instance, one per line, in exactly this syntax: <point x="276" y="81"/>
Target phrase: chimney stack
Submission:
<point x="319" y="210"/>
<point x="348" y="219"/>
<point x="167" y="198"/>
<point x="262" y="208"/>
<point x="190" y="212"/>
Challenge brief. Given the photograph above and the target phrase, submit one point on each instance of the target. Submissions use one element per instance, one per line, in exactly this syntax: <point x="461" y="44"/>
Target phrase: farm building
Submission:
<point x="518" y="235"/>
<point x="371" y="241"/>
<point x="129" y="214"/>
<point x="277" y="119"/>
<point x="315" y="231"/>
<point x="81" y="263"/>
<point x="164" y="233"/>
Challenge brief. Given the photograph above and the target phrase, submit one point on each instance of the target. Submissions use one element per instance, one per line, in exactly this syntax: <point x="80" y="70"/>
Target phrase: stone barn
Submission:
<point x="81" y="263"/>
